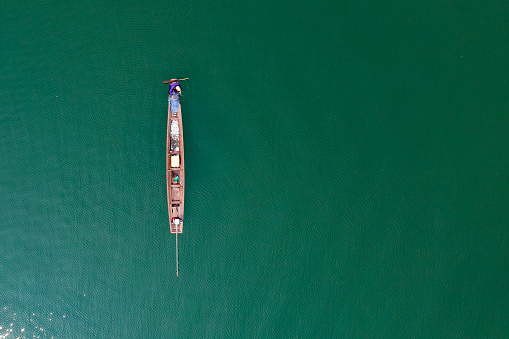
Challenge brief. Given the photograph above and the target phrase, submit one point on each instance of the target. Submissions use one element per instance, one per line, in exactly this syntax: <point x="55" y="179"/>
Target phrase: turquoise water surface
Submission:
<point x="346" y="169"/>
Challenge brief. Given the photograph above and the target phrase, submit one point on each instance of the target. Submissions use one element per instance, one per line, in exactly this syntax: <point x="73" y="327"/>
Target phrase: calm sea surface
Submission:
<point x="347" y="169"/>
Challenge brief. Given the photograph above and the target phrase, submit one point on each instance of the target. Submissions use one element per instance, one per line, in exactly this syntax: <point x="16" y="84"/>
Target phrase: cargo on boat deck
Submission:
<point x="175" y="161"/>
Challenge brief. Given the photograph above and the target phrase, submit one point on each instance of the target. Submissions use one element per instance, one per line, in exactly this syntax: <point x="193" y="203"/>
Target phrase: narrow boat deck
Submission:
<point x="175" y="173"/>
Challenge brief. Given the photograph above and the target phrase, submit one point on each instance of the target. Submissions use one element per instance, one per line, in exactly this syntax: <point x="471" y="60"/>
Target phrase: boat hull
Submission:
<point x="175" y="174"/>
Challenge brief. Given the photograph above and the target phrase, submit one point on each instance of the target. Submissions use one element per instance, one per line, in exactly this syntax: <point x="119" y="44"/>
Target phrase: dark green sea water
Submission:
<point x="347" y="169"/>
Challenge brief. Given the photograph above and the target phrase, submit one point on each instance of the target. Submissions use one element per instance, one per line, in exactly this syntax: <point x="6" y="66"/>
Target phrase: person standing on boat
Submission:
<point x="174" y="86"/>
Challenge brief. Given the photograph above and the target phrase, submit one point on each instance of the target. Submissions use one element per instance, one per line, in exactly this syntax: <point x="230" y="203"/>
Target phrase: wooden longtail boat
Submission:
<point x="175" y="173"/>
